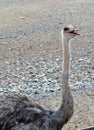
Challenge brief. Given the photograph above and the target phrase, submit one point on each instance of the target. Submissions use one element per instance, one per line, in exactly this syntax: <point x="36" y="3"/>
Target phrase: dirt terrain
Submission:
<point x="30" y="35"/>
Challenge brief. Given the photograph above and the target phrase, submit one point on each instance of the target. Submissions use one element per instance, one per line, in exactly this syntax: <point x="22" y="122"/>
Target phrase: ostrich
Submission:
<point x="18" y="112"/>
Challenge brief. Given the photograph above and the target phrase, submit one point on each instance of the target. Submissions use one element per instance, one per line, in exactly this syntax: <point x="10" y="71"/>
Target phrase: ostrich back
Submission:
<point x="17" y="112"/>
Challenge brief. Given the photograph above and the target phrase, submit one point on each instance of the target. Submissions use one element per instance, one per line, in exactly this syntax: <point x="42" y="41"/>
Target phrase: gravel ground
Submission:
<point x="31" y="53"/>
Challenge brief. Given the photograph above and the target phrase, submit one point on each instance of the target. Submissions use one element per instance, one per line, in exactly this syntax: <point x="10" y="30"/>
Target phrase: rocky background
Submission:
<point x="31" y="53"/>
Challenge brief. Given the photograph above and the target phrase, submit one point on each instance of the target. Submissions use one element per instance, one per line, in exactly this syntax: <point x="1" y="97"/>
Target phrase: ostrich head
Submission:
<point x="70" y="32"/>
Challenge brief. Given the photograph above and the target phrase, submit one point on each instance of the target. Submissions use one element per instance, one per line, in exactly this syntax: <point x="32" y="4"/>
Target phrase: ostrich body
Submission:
<point x="17" y="112"/>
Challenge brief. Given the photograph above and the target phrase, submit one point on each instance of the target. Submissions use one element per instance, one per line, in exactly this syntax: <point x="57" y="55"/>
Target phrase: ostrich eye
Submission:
<point x="66" y="29"/>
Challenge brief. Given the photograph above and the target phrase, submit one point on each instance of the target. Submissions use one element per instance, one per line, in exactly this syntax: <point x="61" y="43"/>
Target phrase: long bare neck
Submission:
<point x="65" y="111"/>
<point x="66" y="66"/>
<point x="66" y="108"/>
<point x="66" y="55"/>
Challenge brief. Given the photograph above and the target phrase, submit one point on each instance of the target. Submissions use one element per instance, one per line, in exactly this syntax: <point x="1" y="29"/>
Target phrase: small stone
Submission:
<point x="51" y="90"/>
<point x="21" y="17"/>
<point x="80" y="60"/>
<point x="1" y="90"/>
<point x="4" y="43"/>
<point x="2" y="37"/>
<point x="23" y="78"/>
<point x="7" y="62"/>
<point x="36" y="92"/>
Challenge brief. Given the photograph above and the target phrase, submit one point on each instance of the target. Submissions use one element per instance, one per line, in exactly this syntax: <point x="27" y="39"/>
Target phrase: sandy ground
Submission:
<point x="31" y="29"/>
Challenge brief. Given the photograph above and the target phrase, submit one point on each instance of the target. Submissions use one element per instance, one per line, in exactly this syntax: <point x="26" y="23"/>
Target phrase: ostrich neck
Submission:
<point x="66" y="66"/>
<point x="66" y="108"/>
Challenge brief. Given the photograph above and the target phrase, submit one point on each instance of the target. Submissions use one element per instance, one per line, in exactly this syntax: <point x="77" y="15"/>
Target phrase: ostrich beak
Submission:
<point x="75" y="31"/>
